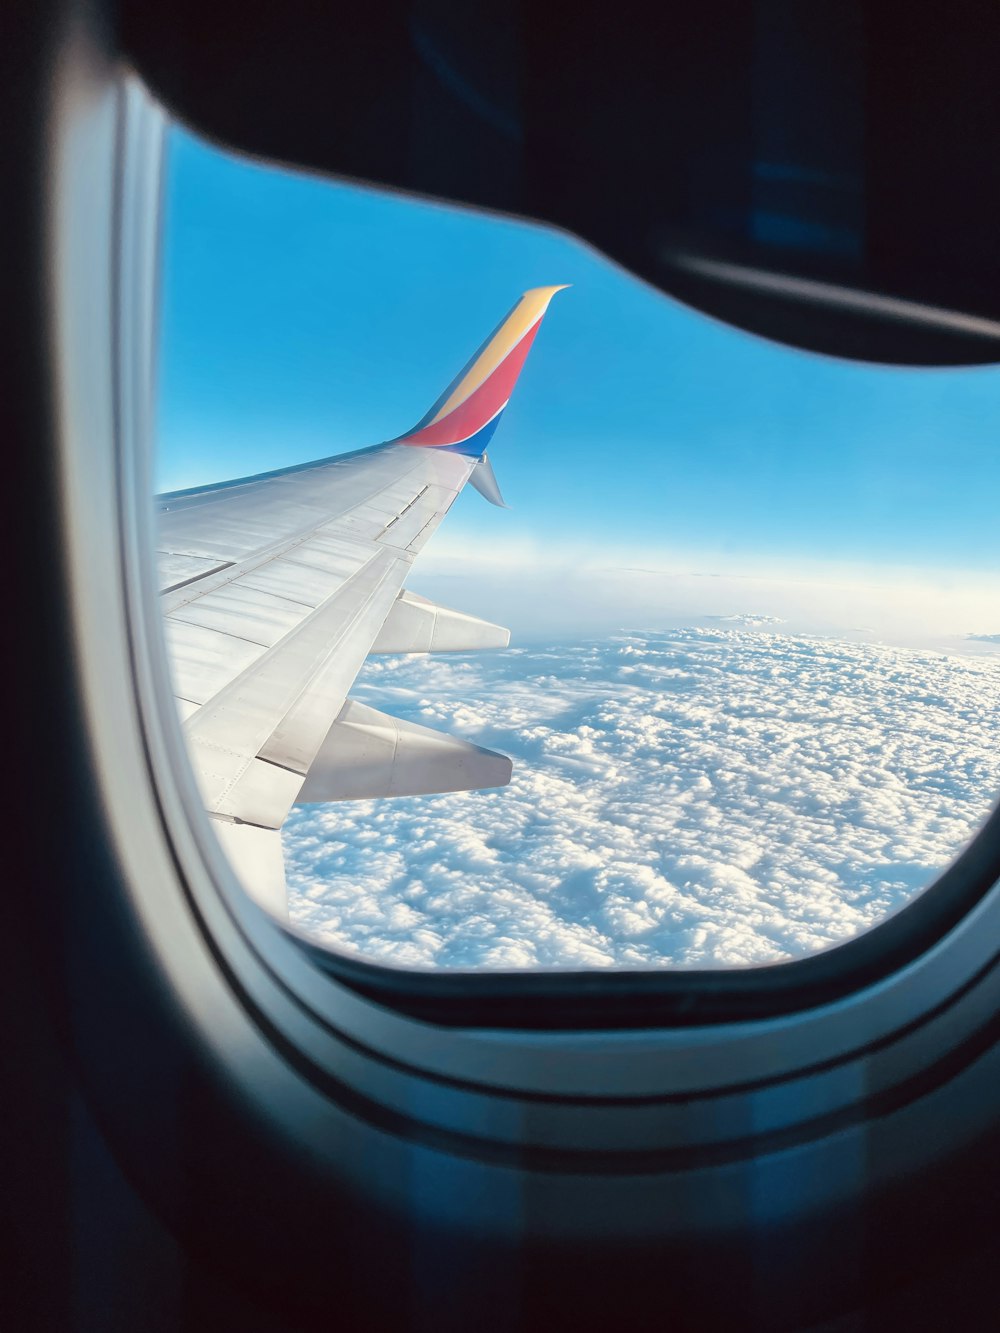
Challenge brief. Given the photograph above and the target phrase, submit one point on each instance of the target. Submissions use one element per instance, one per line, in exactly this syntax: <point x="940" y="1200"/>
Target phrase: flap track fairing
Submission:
<point x="416" y="625"/>
<point x="367" y="753"/>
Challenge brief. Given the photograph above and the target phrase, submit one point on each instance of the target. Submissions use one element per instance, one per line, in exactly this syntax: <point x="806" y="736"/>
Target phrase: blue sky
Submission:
<point x="302" y="317"/>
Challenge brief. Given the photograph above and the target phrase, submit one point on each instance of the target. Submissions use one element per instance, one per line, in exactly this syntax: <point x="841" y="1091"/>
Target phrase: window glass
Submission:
<point x="752" y="688"/>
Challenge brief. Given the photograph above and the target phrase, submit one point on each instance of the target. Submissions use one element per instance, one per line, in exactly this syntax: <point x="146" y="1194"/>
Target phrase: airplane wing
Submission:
<point x="276" y="587"/>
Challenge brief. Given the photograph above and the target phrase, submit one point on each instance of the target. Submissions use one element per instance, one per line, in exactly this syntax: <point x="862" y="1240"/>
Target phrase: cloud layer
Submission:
<point x="699" y="798"/>
<point x="547" y="589"/>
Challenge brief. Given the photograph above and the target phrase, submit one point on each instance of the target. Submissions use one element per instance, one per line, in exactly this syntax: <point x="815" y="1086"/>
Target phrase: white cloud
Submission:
<point x="749" y="620"/>
<point x="702" y="797"/>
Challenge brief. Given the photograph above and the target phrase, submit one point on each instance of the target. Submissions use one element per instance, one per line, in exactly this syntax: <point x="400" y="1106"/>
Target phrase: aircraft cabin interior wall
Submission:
<point x="426" y="913"/>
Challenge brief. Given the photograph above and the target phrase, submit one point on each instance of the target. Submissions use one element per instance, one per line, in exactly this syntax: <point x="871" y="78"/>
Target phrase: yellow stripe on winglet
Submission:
<point x="526" y="313"/>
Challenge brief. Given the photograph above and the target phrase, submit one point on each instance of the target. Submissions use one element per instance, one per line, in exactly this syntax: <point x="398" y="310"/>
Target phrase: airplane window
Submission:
<point x="748" y="708"/>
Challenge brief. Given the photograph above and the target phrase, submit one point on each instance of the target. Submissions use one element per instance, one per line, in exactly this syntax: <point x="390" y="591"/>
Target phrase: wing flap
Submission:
<point x="282" y="706"/>
<point x="367" y="753"/>
<point x="298" y="736"/>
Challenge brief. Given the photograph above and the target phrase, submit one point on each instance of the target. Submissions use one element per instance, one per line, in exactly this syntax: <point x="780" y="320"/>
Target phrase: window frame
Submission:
<point x="586" y="1051"/>
<point x="191" y="1085"/>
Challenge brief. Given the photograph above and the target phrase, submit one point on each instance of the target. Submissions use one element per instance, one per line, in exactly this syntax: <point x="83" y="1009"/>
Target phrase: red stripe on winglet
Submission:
<point x="481" y="406"/>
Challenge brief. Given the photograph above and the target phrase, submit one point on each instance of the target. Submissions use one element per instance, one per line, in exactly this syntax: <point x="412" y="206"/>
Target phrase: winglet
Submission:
<point x="466" y="415"/>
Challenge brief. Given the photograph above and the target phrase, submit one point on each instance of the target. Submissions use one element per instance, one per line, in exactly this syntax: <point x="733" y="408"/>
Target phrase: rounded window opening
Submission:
<point x="748" y="707"/>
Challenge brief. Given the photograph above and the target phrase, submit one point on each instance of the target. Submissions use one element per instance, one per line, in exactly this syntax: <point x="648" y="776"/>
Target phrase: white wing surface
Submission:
<point x="275" y="588"/>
